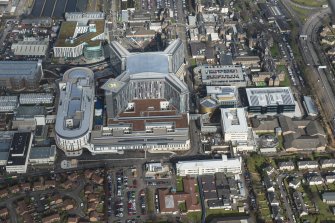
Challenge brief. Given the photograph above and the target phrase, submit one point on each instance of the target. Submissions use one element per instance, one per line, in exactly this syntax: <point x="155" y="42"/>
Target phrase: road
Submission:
<point x="284" y="197"/>
<point x="319" y="78"/>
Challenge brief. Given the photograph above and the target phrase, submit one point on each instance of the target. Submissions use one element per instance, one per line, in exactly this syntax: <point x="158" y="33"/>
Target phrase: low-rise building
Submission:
<point x="289" y="165"/>
<point x="328" y="197"/>
<point x="330" y="179"/>
<point x="211" y="166"/>
<point x="327" y="163"/>
<point x="304" y="165"/>
<point x="42" y="155"/>
<point x="51" y="218"/>
<point x="27" y="47"/>
<point x="295" y="183"/>
<point x="299" y="203"/>
<point x="315" y="180"/>
<point x="36" y="98"/>
<point x="169" y="201"/>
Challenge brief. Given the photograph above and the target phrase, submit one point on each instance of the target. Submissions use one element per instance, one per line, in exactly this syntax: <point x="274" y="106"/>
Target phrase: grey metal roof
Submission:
<point x="18" y="68"/>
<point x="310" y="105"/>
<point x="42" y="152"/>
<point x="329" y="196"/>
<point x="148" y="62"/>
<point x="76" y="96"/>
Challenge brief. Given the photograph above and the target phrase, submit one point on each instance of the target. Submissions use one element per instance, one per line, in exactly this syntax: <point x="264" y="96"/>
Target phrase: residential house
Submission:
<point x="51" y="218"/>
<point x="73" y="176"/>
<point x="306" y="165"/>
<point x="94" y="217"/>
<point x="268" y="183"/>
<point x="327" y="163"/>
<point x="21" y="207"/>
<point x="68" y="205"/>
<point x="25" y="186"/>
<point x="295" y="183"/>
<point x="38" y="186"/>
<point x="3" y="212"/>
<point x="289" y="165"/>
<point x="3" y="193"/>
<point x="269" y="170"/>
<point x="315" y="180"/>
<point x="97" y="179"/>
<point x="273" y="201"/>
<point x="88" y="189"/>
<point x="14" y="189"/>
<point x="92" y="206"/>
<point x="330" y="179"/>
<point x="73" y="219"/>
<point x="67" y="184"/>
<point x="299" y="203"/>
<point x="328" y="197"/>
<point x="49" y="184"/>
<point x="93" y="198"/>
<point x="88" y="174"/>
<point x="56" y="199"/>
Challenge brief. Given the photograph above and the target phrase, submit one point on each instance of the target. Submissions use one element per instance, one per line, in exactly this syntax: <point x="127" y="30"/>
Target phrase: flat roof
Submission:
<point x="26" y="48"/>
<point x="270" y="96"/>
<point x="19" y="148"/>
<point x="210" y="163"/>
<point x="234" y="120"/>
<point x="233" y="72"/>
<point x="310" y="105"/>
<point x="67" y="31"/>
<point x="42" y="152"/>
<point x="19" y="68"/>
<point x="76" y="104"/>
<point x="147" y="111"/>
<point x="25" y="111"/>
<point x="222" y="91"/>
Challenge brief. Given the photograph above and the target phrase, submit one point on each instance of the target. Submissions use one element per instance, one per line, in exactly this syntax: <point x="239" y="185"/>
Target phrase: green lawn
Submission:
<point x="313" y="3"/>
<point x="280" y="142"/>
<point x="182" y="207"/>
<point x="301" y="12"/>
<point x="286" y="82"/>
<point x="261" y="84"/>
<point x="179" y="186"/>
<point x="256" y="162"/>
<point x="274" y="50"/>
<point x="194" y="216"/>
<point x="314" y="193"/>
<point x="150" y="200"/>
<point x="100" y="208"/>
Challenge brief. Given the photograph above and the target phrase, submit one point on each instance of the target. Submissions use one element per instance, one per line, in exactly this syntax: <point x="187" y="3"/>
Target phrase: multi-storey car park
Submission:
<point x="75" y="111"/>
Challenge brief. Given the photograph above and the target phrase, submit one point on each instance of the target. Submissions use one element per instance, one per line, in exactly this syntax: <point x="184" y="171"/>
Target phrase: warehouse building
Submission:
<point x="36" y="98"/>
<point x="30" y="48"/>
